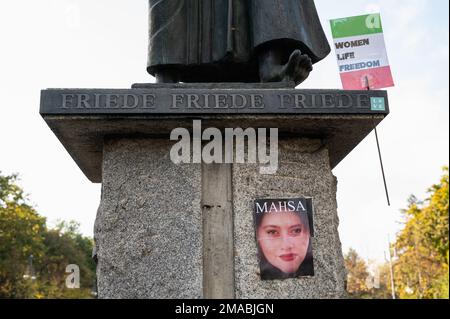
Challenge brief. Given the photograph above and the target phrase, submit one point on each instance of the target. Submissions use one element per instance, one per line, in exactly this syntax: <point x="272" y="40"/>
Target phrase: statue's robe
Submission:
<point x="218" y="40"/>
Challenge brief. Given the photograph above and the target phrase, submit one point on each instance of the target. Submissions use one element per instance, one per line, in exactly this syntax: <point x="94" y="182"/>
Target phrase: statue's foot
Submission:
<point x="297" y="69"/>
<point x="304" y="68"/>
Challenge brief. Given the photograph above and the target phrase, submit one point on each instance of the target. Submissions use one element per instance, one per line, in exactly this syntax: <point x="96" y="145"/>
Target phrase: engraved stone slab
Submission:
<point x="82" y="118"/>
<point x="185" y="101"/>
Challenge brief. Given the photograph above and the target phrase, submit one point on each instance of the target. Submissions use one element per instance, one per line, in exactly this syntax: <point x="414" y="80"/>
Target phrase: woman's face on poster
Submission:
<point x="284" y="240"/>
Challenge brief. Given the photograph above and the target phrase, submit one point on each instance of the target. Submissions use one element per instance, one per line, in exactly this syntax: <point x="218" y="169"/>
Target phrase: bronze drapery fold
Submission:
<point x="218" y="40"/>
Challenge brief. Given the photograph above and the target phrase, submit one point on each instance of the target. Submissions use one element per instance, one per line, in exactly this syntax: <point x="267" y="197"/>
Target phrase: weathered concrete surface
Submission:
<point x="148" y="230"/>
<point x="304" y="172"/>
<point x="186" y="231"/>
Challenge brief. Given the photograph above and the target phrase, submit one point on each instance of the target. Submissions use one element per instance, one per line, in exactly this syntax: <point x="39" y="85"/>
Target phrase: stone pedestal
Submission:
<point x="186" y="231"/>
<point x="171" y="231"/>
<point x="148" y="231"/>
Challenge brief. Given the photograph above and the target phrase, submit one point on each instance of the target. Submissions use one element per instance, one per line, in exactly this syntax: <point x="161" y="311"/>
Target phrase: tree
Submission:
<point x="23" y="233"/>
<point x="64" y="246"/>
<point x="357" y="274"/>
<point x="422" y="267"/>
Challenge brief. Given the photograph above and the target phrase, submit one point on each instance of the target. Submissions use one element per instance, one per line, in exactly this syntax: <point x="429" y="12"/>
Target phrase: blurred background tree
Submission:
<point x="420" y="253"/>
<point x="366" y="280"/>
<point x="357" y="274"/>
<point x="422" y="264"/>
<point x="33" y="258"/>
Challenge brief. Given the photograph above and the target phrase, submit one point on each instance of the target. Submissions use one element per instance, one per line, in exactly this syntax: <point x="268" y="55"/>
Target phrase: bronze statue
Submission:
<point x="234" y="40"/>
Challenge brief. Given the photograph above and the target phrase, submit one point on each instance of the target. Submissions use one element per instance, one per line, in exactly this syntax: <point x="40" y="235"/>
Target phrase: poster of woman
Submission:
<point x="284" y="228"/>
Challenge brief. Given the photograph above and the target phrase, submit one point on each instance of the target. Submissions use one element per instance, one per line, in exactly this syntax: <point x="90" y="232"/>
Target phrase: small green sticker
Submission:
<point x="377" y="104"/>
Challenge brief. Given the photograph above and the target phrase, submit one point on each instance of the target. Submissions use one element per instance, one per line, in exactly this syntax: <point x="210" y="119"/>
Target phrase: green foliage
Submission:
<point x="23" y="233"/>
<point x="64" y="246"/>
<point x="422" y="267"/>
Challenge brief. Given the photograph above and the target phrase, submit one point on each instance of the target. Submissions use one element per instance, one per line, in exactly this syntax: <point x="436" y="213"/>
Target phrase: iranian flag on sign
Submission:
<point x="361" y="52"/>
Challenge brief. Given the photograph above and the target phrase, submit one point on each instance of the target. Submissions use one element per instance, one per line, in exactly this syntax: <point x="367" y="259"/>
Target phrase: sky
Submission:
<point x="103" y="44"/>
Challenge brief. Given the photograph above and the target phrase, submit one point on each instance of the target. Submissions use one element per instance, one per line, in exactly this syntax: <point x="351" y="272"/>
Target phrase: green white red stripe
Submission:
<point x="361" y="52"/>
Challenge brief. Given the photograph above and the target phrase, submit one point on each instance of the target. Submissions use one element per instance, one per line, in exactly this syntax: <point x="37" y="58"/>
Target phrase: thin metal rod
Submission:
<point x="381" y="163"/>
<point x="379" y="150"/>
